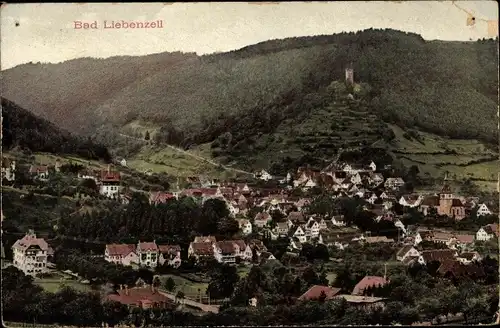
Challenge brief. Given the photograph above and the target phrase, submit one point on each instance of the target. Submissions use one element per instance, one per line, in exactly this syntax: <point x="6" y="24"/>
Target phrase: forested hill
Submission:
<point x="448" y="88"/>
<point x="22" y="129"/>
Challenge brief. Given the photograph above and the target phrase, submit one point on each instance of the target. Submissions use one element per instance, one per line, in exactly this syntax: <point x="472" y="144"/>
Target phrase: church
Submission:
<point x="445" y="203"/>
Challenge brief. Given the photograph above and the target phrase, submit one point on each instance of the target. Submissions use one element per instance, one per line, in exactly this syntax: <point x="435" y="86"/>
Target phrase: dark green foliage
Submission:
<point x="22" y="129"/>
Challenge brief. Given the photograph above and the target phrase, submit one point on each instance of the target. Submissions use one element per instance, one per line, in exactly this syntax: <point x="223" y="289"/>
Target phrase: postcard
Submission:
<point x="250" y="163"/>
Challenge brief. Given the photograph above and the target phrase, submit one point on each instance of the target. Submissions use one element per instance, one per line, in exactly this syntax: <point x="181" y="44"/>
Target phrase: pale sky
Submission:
<point x="45" y="32"/>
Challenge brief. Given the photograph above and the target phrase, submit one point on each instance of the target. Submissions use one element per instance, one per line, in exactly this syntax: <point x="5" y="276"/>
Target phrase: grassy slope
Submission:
<point x="433" y="85"/>
<point x="425" y="155"/>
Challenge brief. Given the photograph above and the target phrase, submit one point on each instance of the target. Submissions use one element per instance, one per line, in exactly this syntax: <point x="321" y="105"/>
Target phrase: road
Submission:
<point x="185" y="152"/>
<point x="187" y="301"/>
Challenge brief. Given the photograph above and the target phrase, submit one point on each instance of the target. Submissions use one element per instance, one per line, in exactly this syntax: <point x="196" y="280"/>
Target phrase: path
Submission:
<point x="185" y="152"/>
<point x="187" y="301"/>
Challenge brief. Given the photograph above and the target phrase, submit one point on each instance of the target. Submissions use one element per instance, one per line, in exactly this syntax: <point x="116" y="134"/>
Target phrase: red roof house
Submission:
<point x="368" y="281"/>
<point x="316" y="291"/>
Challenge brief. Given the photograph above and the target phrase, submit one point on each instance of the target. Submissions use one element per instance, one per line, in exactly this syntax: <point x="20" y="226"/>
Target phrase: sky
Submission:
<point x="46" y="33"/>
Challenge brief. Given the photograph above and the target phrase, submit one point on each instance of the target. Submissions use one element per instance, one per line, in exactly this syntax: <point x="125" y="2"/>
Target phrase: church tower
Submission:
<point x="349" y="75"/>
<point x="445" y="198"/>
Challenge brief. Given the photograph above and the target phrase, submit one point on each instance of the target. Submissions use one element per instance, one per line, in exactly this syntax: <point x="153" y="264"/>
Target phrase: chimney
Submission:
<point x="126" y="290"/>
<point x="109" y="168"/>
<point x="121" y="287"/>
<point x="152" y="288"/>
<point x="385" y="271"/>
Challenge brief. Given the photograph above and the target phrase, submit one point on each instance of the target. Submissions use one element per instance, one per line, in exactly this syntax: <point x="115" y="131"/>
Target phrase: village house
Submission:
<point x="411" y="200"/>
<point x="110" y="183"/>
<point x="438" y="255"/>
<point x="141" y="297"/>
<point x="367" y="282"/>
<point x="159" y="197"/>
<point x="89" y="174"/>
<point x="148" y="254"/>
<point x="228" y="250"/>
<point x="312" y="228"/>
<point x="394" y="183"/>
<point x="263" y="175"/>
<point x="454" y="268"/>
<point x="338" y="221"/>
<point x="281" y="229"/>
<point x="405" y="252"/>
<point x="461" y="241"/>
<point x="300" y="234"/>
<point x="483" y="210"/>
<point x="245" y="226"/>
<point x="317" y="292"/>
<point x="31" y="254"/>
<point x="469" y="257"/>
<point x="365" y="302"/>
<point x="199" y="250"/>
<point x="169" y="255"/>
<point x="124" y="254"/>
<point x="488" y="232"/>
<point x="40" y="172"/>
<point x="8" y="169"/>
<point x="262" y="219"/>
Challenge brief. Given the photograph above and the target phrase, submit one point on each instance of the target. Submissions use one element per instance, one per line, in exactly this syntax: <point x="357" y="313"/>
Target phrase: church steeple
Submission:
<point x="446" y="190"/>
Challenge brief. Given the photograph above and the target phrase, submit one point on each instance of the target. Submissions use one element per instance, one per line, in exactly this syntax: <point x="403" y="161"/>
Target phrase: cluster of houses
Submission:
<point x="144" y="254"/>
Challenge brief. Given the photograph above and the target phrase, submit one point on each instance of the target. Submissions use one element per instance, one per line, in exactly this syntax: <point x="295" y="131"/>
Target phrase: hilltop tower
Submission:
<point x="349" y="75"/>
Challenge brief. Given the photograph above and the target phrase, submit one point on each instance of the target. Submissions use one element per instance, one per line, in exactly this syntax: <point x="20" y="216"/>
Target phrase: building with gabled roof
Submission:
<point x="124" y="254"/>
<point x="31" y="254"/>
<point x="318" y="291"/>
<point x="367" y="282"/>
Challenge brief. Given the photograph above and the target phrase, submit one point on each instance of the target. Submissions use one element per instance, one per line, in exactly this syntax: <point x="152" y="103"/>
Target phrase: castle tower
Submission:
<point x="349" y="75"/>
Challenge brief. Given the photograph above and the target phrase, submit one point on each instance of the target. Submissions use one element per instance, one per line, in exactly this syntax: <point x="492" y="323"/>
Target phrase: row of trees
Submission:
<point x="176" y="221"/>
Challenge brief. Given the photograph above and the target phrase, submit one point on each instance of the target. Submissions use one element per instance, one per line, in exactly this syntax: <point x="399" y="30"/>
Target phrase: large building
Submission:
<point x="110" y="184"/>
<point x="30" y="254"/>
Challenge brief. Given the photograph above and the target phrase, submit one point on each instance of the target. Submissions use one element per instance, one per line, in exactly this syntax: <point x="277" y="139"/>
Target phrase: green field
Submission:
<point x="58" y="281"/>
<point x="428" y="153"/>
<point x="189" y="288"/>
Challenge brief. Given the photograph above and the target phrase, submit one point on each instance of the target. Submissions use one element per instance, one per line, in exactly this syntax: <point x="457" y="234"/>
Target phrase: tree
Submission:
<point x="147" y="136"/>
<point x="222" y="282"/>
<point x="170" y="284"/>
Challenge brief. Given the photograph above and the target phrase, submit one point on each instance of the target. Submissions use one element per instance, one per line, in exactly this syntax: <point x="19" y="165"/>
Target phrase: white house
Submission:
<point x="264" y="175"/>
<point x="225" y="251"/>
<point x="300" y="234"/>
<point x="487" y="232"/>
<point x="148" y="254"/>
<point x="110" y="184"/>
<point x="312" y="228"/>
<point x="123" y="162"/>
<point x="373" y="166"/>
<point x="309" y="184"/>
<point x="40" y="172"/>
<point x="30" y="254"/>
<point x="394" y="183"/>
<point x="245" y="226"/>
<point x="338" y="221"/>
<point x="281" y="229"/>
<point x="483" y="210"/>
<point x="406" y="251"/>
<point x="372" y="198"/>
<point x="169" y="254"/>
<point x="411" y="200"/>
<point x="124" y="254"/>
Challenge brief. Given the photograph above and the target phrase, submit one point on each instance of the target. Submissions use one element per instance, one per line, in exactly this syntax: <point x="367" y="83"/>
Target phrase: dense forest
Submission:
<point x="22" y="129"/>
<point x="448" y="88"/>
